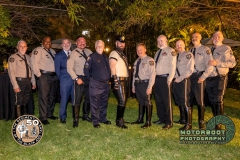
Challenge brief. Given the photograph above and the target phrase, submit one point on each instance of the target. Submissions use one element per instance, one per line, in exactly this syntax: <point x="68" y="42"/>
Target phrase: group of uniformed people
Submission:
<point x="81" y="72"/>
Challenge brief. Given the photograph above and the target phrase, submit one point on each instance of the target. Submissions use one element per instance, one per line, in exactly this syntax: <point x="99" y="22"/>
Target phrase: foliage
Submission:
<point x="4" y="25"/>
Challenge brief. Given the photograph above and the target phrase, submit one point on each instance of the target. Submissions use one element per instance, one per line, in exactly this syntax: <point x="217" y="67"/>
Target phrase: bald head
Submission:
<point x="217" y="38"/>
<point x="162" y="41"/>
<point x="196" y="39"/>
<point x="180" y="45"/>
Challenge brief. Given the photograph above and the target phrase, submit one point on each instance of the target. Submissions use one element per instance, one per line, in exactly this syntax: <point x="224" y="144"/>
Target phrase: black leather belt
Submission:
<point x="141" y="81"/>
<point x="22" y="79"/>
<point x="47" y="72"/>
<point x="162" y="75"/>
<point x="102" y="81"/>
<point x="81" y="76"/>
<point x="212" y="78"/>
<point x="198" y="73"/>
<point x="122" y="78"/>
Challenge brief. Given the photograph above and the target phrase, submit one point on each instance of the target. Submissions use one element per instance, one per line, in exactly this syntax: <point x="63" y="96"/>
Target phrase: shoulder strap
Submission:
<point x="124" y="59"/>
<point x="24" y="60"/>
<point x="84" y="56"/>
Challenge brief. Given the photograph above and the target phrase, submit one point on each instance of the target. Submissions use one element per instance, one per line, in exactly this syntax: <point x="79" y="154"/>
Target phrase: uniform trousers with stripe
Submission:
<point x="197" y="90"/>
<point x="23" y="96"/>
<point x="216" y="88"/>
<point x="181" y="92"/>
<point x="80" y="90"/>
<point x="162" y="94"/>
<point x="141" y="95"/>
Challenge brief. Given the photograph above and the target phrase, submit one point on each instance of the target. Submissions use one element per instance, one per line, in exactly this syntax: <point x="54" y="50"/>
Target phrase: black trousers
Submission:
<point x="47" y="86"/>
<point x="216" y="88"/>
<point x="122" y="93"/>
<point x="141" y="95"/>
<point x="162" y="94"/>
<point x="181" y="92"/>
<point x="80" y="90"/>
<point x="23" y="96"/>
<point x="98" y="99"/>
<point x="197" y="90"/>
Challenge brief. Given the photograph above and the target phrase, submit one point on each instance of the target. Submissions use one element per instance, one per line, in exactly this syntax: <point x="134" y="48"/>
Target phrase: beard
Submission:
<point x="120" y="49"/>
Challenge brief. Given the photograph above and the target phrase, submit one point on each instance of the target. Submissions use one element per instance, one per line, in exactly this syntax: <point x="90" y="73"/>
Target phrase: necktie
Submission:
<point x="27" y="70"/>
<point x="194" y="50"/>
<point x="48" y="50"/>
<point x="137" y="68"/>
<point x="213" y="49"/>
<point x="158" y="56"/>
<point x="84" y="54"/>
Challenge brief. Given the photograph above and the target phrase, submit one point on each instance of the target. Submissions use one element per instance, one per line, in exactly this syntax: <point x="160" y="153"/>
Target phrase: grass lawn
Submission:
<point x="61" y="141"/>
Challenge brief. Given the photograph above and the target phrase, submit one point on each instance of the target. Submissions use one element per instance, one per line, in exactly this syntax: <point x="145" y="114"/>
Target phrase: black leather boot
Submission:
<point x="18" y="107"/>
<point x="25" y="109"/>
<point x="75" y="110"/>
<point x="148" y="116"/>
<point x="219" y="111"/>
<point x="182" y="119"/>
<point x="201" y="110"/>
<point x="141" y="112"/>
<point x="213" y="107"/>
<point x="86" y="111"/>
<point x="119" y="119"/>
<point x="188" y="125"/>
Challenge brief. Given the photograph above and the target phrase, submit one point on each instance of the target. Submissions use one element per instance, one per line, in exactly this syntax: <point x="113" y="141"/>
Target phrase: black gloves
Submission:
<point x="115" y="81"/>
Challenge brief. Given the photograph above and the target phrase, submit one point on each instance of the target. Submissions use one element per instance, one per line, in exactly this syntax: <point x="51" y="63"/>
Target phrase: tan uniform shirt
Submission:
<point x="166" y="63"/>
<point x="121" y="68"/>
<point x="42" y="60"/>
<point x="185" y="65"/>
<point x="76" y="62"/>
<point x="224" y="56"/>
<point x="146" y="71"/>
<point x="202" y="56"/>
<point x="17" y="68"/>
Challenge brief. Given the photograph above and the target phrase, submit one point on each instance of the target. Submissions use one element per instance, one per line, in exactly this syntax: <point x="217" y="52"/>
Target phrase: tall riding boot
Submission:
<point x="18" y="107"/>
<point x="86" y="111"/>
<point x="141" y="112"/>
<point x="219" y="111"/>
<point x="75" y="112"/>
<point x="182" y="119"/>
<point x="119" y="119"/>
<point x="213" y="107"/>
<point x="148" y="116"/>
<point x="201" y="111"/>
<point x="188" y="125"/>
<point x="25" y="110"/>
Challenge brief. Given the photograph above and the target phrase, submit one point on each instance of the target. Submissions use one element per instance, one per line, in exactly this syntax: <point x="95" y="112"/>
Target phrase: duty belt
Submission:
<point x="198" y="73"/>
<point x="122" y="78"/>
<point x="212" y="78"/>
<point x="22" y="79"/>
<point x="162" y="75"/>
<point x="102" y="81"/>
<point x="141" y="81"/>
<point x="47" y="72"/>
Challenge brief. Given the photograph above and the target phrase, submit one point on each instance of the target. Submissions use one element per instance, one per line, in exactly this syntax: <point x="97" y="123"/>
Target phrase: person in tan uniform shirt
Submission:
<point x="216" y="83"/>
<point x="47" y="80"/>
<point x="202" y="54"/>
<point x="143" y="81"/>
<point x="165" y="59"/>
<point x="181" y="84"/>
<point x="21" y="76"/>
<point x="75" y="67"/>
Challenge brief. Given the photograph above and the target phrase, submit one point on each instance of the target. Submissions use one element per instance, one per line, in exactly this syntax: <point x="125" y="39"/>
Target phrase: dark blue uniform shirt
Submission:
<point x="97" y="67"/>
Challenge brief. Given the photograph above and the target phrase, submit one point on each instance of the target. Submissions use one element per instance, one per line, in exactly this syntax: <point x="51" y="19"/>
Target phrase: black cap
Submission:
<point x="121" y="39"/>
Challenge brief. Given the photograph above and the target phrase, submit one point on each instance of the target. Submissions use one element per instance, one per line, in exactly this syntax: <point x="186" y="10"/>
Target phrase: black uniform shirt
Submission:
<point x="97" y="67"/>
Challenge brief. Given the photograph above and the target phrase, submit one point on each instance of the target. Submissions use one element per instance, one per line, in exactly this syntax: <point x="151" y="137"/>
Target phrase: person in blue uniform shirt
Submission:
<point x="97" y="70"/>
<point x="66" y="82"/>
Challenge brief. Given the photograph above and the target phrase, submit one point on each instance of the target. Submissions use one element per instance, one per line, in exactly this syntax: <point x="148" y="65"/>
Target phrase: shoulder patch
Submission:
<point x="174" y="53"/>
<point x="35" y="52"/>
<point x="188" y="56"/>
<point x="11" y="59"/>
<point x="151" y="63"/>
<point x="86" y="65"/>
<point x="208" y="51"/>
